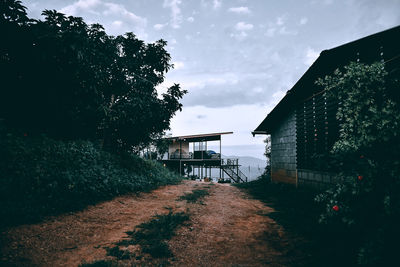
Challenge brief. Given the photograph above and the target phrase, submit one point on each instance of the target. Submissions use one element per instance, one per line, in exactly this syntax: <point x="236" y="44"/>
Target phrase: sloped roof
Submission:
<point x="380" y="46"/>
<point x="199" y="137"/>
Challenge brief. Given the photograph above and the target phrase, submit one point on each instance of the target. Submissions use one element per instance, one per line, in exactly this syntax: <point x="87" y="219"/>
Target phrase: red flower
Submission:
<point x="25" y="134"/>
<point x="362" y="156"/>
<point x="360" y="177"/>
<point x="335" y="208"/>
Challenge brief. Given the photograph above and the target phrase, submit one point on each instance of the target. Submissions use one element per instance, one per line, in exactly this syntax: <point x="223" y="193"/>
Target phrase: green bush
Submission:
<point x="365" y="207"/>
<point x="40" y="176"/>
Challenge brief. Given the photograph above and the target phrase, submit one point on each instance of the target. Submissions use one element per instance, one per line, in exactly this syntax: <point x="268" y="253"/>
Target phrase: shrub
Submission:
<point x="40" y="176"/>
<point x="365" y="206"/>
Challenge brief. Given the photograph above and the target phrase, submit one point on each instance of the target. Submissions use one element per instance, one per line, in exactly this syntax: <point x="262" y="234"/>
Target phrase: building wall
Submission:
<point x="316" y="179"/>
<point x="283" y="150"/>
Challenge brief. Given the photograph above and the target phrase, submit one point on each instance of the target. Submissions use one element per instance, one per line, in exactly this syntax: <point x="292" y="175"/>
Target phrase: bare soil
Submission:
<point x="226" y="228"/>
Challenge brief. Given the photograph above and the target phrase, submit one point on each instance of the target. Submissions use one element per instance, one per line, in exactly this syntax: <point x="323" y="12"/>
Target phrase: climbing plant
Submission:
<point x="365" y="204"/>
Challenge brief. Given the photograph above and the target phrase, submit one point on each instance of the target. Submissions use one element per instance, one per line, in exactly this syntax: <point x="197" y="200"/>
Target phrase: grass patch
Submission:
<point x="120" y="254"/>
<point x="194" y="196"/>
<point x="152" y="236"/>
<point x="100" y="263"/>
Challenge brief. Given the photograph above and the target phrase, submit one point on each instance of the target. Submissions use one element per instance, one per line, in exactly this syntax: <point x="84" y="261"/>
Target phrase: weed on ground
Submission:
<point x="195" y="196"/>
<point x="120" y="254"/>
<point x="101" y="263"/>
<point x="151" y="236"/>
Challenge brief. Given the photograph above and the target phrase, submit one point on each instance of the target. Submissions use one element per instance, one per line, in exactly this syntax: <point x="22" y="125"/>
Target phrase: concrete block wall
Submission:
<point x="283" y="150"/>
<point x="283" y="158"/>
<point x="315" y="179"/>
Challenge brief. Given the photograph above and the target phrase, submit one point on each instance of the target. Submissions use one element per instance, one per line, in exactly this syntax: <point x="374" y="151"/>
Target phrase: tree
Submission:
<point x="366" y="203"/>
<point x="70" y="80"/>
<point x="267" y="154"/>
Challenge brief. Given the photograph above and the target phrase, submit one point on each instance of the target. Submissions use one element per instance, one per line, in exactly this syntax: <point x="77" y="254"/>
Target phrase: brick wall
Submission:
<point x="283" y="150"/>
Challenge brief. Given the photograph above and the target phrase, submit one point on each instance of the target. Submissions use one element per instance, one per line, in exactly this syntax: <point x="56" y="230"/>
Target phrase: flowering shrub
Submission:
<point x="366" y="203"/>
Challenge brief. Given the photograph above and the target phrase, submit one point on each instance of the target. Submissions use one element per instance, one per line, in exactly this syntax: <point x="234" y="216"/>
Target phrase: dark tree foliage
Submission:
<point x="69" y="80"/>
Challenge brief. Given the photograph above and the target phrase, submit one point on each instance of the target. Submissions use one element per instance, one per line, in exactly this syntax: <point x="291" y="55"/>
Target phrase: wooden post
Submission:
<point x="220" y="158"/>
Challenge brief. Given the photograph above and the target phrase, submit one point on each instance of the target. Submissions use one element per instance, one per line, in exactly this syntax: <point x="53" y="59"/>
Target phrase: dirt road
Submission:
<point x="226" y="228"/>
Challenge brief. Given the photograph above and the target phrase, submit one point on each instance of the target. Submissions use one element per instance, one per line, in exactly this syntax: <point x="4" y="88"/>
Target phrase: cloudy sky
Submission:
<point x="237" y="58"/>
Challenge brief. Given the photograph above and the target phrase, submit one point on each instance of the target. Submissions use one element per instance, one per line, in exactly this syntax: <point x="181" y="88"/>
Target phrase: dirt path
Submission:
<point x="227" y="229"/>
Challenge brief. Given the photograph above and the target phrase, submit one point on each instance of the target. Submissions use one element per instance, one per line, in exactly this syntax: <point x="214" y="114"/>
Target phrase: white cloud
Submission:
<point x="117" y="23"/>
<point x="176" y="16"/>
<point x="217" y="4"/>
<point x="178" y="65"/>
<point x="200" y="81"/>
<point x="239" y="10"/>
<point x="121" y="18"/>
<point x="120" y="10"/>
<point x="221" y="117"/>
<point x="279" y="27"/>
<point x="303" y="21"/>
<point x="81" y="5"/>
<point x="281" y="20"/>
<point x="311" y="56"/>
<point x="277" y="96"/>
<point x="239" y="36"/>
<point x="159" y="27"/>
<point x="270" y="32"/>
<point x="190" y="19"/>
<point x="284" y="31"/>
<point x="257" y="89"/>
<point x="242" y="26"/>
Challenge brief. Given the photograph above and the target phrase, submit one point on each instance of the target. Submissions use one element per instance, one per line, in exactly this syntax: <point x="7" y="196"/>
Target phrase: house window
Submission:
<point x="316" y="131"/>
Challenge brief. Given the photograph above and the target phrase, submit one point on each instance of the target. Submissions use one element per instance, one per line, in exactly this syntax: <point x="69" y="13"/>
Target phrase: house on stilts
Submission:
<point x="303" y="125"/>
<point x="191" y="155"/>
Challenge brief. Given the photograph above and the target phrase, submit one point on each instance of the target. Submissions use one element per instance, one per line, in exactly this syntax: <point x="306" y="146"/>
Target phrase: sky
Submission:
<point x="236" y="58"/>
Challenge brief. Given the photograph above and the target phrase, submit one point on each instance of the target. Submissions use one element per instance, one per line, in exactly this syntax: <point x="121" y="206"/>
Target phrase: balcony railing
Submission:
<point x="230" y="162"/>
<point x="196" y="155"/>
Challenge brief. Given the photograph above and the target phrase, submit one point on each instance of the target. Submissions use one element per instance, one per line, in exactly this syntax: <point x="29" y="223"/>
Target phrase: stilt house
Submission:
<point x="191" y="155"/>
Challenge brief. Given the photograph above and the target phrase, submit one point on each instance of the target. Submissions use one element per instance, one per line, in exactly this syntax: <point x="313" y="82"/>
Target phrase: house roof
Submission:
<point x="379" y="46"/>
<point x="199" y="137"/>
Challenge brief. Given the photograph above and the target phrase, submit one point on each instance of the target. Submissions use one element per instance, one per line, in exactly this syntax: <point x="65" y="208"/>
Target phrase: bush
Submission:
<point x="40" y="176"/>
<point x="365" y="207"/>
